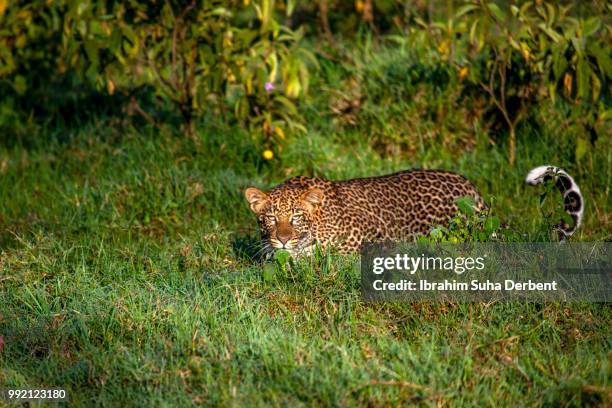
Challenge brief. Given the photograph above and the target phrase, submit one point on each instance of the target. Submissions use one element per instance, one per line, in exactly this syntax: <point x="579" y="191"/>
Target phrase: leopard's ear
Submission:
<point x="256" y="198"/>
<point x="312" y="198"/>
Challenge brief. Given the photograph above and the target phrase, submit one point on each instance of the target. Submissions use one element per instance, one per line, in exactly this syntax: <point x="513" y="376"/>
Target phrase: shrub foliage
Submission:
<point x="251" y="62"/>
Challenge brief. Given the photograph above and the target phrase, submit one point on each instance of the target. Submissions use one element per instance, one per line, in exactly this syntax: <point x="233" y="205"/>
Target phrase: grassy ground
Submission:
<point x="123" y="279"/>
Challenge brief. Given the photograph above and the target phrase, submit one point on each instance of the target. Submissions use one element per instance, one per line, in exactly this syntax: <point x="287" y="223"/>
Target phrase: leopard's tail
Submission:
<point x="573" y="202"/>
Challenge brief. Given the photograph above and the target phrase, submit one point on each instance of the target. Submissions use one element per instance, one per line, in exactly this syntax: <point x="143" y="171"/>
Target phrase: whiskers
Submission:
<point x="264" y="251"/>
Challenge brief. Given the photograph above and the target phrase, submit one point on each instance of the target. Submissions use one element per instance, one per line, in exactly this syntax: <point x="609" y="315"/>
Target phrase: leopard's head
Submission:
<point x="287" y="217"/>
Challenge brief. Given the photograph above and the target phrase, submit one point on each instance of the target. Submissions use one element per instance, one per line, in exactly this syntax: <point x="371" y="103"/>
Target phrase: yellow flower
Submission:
<point x="359" y="6"/>
<point x="268" y="154"/>
<point x="463" y="73"/>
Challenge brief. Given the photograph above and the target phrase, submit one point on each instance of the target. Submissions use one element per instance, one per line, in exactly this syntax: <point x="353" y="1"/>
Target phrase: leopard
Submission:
<point x="303" y="213"/>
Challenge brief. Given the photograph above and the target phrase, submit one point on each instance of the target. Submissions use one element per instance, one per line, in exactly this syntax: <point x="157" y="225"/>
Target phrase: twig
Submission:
<point x="323" y="10"/>
<point x="136" y="107"/>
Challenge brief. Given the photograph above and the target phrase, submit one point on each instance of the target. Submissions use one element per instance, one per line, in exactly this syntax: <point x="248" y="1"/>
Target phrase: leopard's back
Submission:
<point x="395" y="206"/>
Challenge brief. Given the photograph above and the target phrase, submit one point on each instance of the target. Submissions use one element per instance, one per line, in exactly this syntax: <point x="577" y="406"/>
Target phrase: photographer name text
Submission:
<point x="454" y="286"/>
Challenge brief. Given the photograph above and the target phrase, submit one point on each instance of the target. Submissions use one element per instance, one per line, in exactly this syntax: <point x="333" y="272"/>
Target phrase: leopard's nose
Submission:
<point x="283" y="234"/>
<point x="284" y="238"/>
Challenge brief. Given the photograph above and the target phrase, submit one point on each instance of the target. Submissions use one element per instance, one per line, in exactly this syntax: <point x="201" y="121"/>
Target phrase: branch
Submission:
<point x="136" y="107"/>
<point x="323" y="9"/>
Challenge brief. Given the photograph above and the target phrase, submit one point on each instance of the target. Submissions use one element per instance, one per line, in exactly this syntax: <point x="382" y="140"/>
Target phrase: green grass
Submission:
<point x="124" y="279"/>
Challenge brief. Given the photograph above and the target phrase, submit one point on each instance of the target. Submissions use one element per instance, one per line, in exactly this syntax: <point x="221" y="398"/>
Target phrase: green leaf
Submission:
<point x="525" y="7"/>
<point x="583" y="74"/>
<point x="282" y="257"/>
<point x="582" y="147"/>
<point x="591" y="26"/>
<point x="555" y="36"/>
<point x="473" y="30"/>
<point x="114" y="43"/>
<point x="422" y="240"/>
<point x="559" y="60"/>
<point x="466" y="205"/>
<point x="19" y="84"/>
<point x="92" y="53"/>
<point x="551" y="14"/>
<point x="595" y="86"/>
<point x="601" y="54"/>
<point x="492" y="224"/>
<point x="309" y="56"/>
<point x="290" y="7"/>
<point x="268" y="272"/>
<point x="221" y="11"/>
<point x="552" y="91"/>
<point x="287" y="103"/>
<point x="436" y="233"/>
<point x="465" y="9"/>
<point x="496" y="11"/>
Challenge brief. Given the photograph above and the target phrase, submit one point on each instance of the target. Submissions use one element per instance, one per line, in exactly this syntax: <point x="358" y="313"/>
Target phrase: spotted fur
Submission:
<point x="304" y="211"/>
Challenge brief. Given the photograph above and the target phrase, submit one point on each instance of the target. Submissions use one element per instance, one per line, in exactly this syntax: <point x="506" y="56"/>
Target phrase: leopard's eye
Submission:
<point x="271" y="218"/>
<point x="297" y="216"/>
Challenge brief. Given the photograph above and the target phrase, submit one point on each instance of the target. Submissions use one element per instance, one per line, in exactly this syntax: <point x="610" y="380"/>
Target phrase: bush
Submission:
<point x="239" y="61"/>
<point x="231" y="59"/>
<point x="474" y="66"/>
<point x="520" y="56"/>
